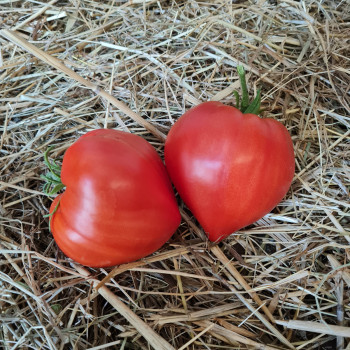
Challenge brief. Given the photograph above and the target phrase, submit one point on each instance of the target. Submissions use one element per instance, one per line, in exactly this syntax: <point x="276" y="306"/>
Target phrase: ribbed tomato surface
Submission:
<point x="118" y="205"/>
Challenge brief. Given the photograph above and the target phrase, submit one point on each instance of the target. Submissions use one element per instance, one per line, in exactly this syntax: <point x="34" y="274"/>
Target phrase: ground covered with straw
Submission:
<point x="70" y="66"/>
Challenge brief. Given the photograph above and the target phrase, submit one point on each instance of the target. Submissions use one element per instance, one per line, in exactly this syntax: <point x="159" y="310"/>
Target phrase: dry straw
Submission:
<point x="70" y="66"/>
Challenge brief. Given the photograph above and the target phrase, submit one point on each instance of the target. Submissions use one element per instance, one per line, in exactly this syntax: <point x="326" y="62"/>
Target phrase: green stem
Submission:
<point x="237" y="99"/>
<point x="53" y="183"/>
<point x="243" y="104"/>
<point x="245" y="96"/>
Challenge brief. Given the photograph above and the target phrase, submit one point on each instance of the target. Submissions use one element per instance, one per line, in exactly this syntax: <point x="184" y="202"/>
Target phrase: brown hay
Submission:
<point x="70" y="66"/>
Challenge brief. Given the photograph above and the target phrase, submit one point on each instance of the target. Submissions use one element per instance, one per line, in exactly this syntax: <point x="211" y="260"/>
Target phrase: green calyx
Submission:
<point x="53" y="183"/>
<point x="243" y="104"/>
<point x="50" y="215"/>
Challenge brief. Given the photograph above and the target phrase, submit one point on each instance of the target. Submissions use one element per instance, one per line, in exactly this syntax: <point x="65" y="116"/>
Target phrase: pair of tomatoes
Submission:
<point x="229" y="168"/>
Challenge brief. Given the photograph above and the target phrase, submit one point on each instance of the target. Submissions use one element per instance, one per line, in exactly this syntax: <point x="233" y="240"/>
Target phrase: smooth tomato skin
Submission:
<point x="230" y="168"/>
<point x="118" y="205"/>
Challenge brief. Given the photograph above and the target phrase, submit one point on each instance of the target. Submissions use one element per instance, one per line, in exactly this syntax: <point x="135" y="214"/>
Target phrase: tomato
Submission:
<point x="118" y="205"/>
<point x="230" y="168"/>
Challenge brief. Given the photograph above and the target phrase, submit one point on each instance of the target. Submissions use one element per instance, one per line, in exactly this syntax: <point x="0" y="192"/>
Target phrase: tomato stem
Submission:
<point x="243" y="104"/>
<point x="53" y="183"/>
<point x="245" y="95"/>
<point x="237" y="99"/>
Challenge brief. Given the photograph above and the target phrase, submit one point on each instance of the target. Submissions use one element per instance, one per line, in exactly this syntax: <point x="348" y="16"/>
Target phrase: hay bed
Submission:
<point x="67" y="67"/>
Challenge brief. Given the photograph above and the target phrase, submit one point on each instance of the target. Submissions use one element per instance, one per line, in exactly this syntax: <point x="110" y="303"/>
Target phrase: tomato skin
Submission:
<point x="118" y="205"/>
<point x="230" y="168"/>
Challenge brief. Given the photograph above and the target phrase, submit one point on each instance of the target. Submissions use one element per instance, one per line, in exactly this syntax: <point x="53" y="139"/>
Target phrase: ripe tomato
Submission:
<point x="118" y="205"/>
<point x="229" y="168"/>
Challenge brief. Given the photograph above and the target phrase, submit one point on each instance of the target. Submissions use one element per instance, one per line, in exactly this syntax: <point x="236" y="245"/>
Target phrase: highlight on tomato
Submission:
<point x="118" y="205"/>
<point x="229" y="166"/>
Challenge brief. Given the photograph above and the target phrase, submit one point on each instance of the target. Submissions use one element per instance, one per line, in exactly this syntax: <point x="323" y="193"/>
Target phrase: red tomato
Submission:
<point x="230" y="168"/>
<point x="118" y="205"/>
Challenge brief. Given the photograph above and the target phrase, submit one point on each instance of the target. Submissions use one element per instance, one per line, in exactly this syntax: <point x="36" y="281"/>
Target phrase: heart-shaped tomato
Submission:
<point x="118" y="205"/>
<point x="229" y="168"/>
